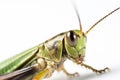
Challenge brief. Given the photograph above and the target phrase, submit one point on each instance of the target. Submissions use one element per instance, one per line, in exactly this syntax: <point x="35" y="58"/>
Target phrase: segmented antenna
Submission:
<point x="101" y="20"/>
<point x="76" y="11"/>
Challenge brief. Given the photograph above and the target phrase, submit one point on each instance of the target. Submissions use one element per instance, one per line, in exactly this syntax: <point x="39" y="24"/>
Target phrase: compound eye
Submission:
<point x="72" y="39"/>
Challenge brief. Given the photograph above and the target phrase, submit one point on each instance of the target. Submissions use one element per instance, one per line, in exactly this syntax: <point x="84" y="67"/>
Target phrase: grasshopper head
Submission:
<point x="75" y="45"/>
<point x="75" y="40"/>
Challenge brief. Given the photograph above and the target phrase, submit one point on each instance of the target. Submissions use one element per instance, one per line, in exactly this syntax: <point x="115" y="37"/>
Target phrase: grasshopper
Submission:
<point x="42" y="60"/>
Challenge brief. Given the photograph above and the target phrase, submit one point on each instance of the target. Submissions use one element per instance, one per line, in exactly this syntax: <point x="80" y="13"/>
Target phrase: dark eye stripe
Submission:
<point x="72" y="38"/>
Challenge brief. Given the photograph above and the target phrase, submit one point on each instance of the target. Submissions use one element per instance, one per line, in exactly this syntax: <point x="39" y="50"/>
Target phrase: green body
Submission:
<point x="17" y="61"/>
<point x="43" y="59"/>
<point x="56" y="49"/>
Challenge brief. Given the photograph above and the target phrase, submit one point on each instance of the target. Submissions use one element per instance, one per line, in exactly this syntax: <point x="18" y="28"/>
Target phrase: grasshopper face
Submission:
<point x="75" y="45"/>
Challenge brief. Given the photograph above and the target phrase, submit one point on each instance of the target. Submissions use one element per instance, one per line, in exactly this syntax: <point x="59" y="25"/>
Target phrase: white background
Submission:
<point x="26" y="23"/>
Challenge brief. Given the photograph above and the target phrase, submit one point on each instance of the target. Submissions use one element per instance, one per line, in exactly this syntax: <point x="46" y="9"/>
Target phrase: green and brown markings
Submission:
<point x="42" y="60"/>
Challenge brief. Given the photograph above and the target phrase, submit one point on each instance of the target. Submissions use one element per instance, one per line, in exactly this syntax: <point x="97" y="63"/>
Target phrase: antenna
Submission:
<point x="101" y="20"/>
<point x="76" y="11"/>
